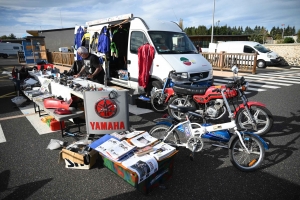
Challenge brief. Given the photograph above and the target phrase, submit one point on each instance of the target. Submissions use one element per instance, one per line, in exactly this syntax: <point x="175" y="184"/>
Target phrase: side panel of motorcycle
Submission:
<point x="169" y="91"/>
<point x="210" y="95"/>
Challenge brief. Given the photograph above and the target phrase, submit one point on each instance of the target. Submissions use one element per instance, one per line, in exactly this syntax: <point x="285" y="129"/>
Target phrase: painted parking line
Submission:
<point x="11" y="94"/>
<point x="2" y="137"/>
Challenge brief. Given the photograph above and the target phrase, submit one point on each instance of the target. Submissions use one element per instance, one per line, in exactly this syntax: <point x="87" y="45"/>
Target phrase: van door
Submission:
<point x="136" y="39"/>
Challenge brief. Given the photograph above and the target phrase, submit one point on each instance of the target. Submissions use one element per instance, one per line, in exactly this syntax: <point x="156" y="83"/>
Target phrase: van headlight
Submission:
<point x="269" y="56"/>
<point x="183" y="75"/>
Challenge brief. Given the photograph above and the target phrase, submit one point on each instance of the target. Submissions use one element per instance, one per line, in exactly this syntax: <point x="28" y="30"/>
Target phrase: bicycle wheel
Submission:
<point x="158" y="101"/>
<point x="247" y="161"/>
<point x="160" y="131"/>
<point x="261" y="115"/>
<point x="179" y="101"/>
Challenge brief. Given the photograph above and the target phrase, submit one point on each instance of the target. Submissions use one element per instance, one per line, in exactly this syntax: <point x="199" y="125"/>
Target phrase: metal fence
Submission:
<point x="246" y="62"/>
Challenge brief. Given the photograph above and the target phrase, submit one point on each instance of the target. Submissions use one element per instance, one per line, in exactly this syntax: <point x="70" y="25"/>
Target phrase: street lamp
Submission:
<point x="213" y="22"/>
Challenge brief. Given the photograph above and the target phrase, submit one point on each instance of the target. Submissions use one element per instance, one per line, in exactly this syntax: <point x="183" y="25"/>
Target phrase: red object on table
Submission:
<point x="45" y="66"/>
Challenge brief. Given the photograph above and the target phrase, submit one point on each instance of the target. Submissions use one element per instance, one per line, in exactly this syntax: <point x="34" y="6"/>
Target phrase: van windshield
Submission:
<point x="261" y="48"/>
<point x="172" y="43"/>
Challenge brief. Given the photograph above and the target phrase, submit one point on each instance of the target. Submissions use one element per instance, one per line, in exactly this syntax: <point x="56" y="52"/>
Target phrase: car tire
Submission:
<point x="261" y="64"/>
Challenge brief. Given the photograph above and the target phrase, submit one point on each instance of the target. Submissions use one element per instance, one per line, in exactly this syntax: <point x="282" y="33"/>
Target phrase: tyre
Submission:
<point x="160" y="131"/>
<point x="155" y="85"/>
<point x="243" y="160"/>
<point x="261" y="64"/>
<point x="261" y="115"/>
<point x="158" y="101"/>
<point x="179" y="101"/>
<point x="5" y="56"/>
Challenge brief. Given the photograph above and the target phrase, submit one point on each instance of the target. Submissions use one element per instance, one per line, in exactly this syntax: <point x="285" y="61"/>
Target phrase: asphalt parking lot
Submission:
<point x="30" y="171"/>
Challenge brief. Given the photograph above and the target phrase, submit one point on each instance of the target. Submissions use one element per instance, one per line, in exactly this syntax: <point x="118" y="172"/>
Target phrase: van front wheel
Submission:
<point x="261" y="64"/>
<point x="155" y="86"/>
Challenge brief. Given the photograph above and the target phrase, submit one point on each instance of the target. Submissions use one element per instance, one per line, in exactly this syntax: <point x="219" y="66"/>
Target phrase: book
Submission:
<point x="144" y="166"/>
<point x="120" y="135"/>
<point x="143" y="140"/>
<point x="120" y="149"/>
<point x="133" y="134"/>
<point x="162" y="150"/>
<point x="143" y="151"/>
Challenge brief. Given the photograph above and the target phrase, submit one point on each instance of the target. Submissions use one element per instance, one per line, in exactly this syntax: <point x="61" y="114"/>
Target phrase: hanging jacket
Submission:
<point x="85" y="41"/>
<point x="113" y="50"/>
<point x="94" y="42"/>
<point x="77" y="42"/>
<point x="103" y="41"/>
<point x="145" y="58"/>
<point x="120" y="38"/>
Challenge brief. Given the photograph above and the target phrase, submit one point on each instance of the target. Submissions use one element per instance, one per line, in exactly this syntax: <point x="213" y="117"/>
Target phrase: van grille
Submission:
<point x="202" y="75"/>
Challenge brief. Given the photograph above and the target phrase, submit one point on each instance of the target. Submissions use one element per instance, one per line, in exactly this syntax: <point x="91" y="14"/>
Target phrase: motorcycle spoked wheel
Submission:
<point x="262" y="116"/>
<point x="179" y="101"/>
<point x="158" y="102"/>
<point x="160" y="131"/>
<point x="239" y="156"/>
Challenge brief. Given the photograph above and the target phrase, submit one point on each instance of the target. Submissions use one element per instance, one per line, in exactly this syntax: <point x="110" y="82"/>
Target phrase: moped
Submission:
<point x="250" y="115"/>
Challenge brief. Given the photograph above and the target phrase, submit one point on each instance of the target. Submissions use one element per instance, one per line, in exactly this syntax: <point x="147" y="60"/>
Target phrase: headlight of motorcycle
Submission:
<point x="183" y="75"/>
<point x="245" y="86"/>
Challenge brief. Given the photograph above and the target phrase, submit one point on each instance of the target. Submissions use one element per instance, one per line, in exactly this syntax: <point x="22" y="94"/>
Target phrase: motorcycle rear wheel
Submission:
<point x="160" y="131"/>
<point x="262" y="116"/>
<point x="179" y="101"/>
<point x="241" y="159"/>
<point x="155" y="101"/>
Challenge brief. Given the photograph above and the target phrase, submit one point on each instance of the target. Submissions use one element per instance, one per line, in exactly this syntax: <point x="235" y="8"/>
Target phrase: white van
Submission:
<point x="181" y="55"/>
<point x="265" y="56"/>
<point x="10" y="49"/>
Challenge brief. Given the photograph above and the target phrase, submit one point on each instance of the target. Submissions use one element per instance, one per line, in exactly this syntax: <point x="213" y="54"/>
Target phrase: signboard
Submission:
<point x="106" y="111"/>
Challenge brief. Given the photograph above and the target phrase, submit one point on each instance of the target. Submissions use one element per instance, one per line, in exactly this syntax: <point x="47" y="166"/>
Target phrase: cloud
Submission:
<point x="18" y="16"/>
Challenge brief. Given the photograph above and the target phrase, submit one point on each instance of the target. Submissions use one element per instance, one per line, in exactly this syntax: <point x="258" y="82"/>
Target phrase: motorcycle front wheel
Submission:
<point x="243" y="160"/>
<point x="158" y="101"/>
<point x="179" y="101"/>
<point x="160" y="131"/>
<point x="261" y="115"/>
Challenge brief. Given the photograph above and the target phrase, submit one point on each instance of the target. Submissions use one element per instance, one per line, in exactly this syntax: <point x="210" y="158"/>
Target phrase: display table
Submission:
<point x="60" y="118"/>
<point x="105" y="109"/>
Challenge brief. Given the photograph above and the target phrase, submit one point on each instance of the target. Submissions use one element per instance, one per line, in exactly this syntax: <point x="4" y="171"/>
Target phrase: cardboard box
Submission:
<point x="164" y="173"/>
<point x="75" y="160"/>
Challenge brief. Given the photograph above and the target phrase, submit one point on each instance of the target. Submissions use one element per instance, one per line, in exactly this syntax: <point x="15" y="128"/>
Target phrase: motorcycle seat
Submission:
<point x="190" y="89"/>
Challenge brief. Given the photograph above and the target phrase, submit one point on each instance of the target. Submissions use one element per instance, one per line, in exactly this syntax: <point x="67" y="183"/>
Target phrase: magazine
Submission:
<point x="120" y="135"/>
<point x="144" y="166"/>
<point x="143" y="140"/>
<point x="134" y="133"/>
<point x="162" y="150"/>
<point x="120" y="149"/>
<point x="143" y="151"/>
<point x="107" y="145"/>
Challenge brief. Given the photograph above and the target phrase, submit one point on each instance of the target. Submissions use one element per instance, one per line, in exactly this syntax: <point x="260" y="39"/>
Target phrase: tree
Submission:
<point x="288" y="40"/>
<point x="10" y="36"/>
<point x="298" y="36"/>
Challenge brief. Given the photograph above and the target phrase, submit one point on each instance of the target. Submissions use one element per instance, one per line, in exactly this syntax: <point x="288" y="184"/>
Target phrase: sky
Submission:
<point x="17" y="16"/>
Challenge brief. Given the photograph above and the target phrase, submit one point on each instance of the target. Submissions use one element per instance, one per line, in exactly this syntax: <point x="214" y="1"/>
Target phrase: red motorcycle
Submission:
<point x="250" y="115"/>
